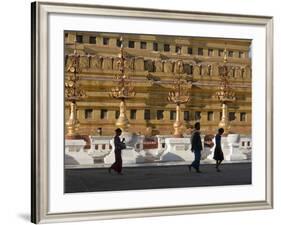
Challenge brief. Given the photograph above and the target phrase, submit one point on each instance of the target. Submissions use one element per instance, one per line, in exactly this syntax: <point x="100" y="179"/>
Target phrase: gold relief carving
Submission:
<point x="196" y="70"/>
<point x="215" y="70"/>
<point x="186" y="68"/>
<point x="168" y="66"/>
<point x="150" y="91"/>
<point x="73" y="93"/>
<point x="107" y="63"/>
<point x="139" y="64"/>
<point x="243" y="72"/>
<point x="148" y="65"/>
<point x="179" y="95"/>
<point x="222" y="69"/>
<point x="247" y="72"/>
<point x="116" y="63"/>
<point x="204" y="70"/>
<point x="210" y="70"/>
<point x="124" y="89"/>
<point x="237" y="73"/>
<point x="225" y="93"/>
<point x="95" y="62"/>
<point x="84" y="62"/>
<point x="158" y="66"/>
<point x="129" y="64"/>
<point x="67" y="61"/>
<point x="231" y="71"/>
<point x="179" y="67"/>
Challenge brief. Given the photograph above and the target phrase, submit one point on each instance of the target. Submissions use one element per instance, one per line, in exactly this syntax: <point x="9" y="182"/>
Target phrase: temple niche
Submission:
<point x="129" y="64"/>
<point x="204" y="70"/>
<point x="168" y="66"/>
<point x="196" y="70"/>
<point x="237" y="73"/>
<point x="188" y="68"/>
<point x="215" y="69"/>
<point x="231" y="71"/>
<point x="248" y="72"/>
<point x="95" y="62"/>
<point x="116" y="63"/>
<point x="158" y="65"/>
<point x="139" y="64"/>
<point x="179" y="67"/>
<point x="84" y="62"/>
<point x="148" y="65"/>
<point x="107" y="63"/>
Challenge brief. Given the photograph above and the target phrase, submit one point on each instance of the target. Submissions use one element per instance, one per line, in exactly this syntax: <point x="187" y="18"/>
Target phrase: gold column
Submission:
<point x="225" y="94"/>
<point x="72" y="124"/>
<point x="122" y="121"/>
<point x="178" y="124"/>
<point x="224" y="123"/>
<point x="179" y="96"/>
<point x="73" y="93"/>
<point x="122" y="91"/>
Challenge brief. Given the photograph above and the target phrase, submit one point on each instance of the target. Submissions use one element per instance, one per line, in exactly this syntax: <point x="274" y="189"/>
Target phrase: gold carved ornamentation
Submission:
<point x="122" y="91"/>
<point x="225" y="94"/>
<point x="179" y="95"/>
<point x="73" y="93"/>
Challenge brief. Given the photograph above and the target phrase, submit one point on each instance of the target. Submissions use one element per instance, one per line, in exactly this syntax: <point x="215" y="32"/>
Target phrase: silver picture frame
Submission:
<point x="40" y="12"/>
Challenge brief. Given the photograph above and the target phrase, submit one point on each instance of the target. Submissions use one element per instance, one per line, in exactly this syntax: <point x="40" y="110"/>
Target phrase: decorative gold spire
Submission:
<point x="123" y="90"/>
<point x="224" y="56"/>
<point x="73" y="93"/>
<point x="225" y="93"/>
<point x="179" y="95"/>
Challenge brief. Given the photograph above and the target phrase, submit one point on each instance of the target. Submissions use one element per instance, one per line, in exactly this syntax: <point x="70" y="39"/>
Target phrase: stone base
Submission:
<point x="86" y="138"/>
<point x="177" y="149"/>
<point x="230" y="146"/>
<point x="75" y="153"/>
<point x="237" y="155"/>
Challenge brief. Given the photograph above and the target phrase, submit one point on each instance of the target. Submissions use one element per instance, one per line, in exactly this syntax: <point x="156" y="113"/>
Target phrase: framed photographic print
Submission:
<point x="145" y="112"/>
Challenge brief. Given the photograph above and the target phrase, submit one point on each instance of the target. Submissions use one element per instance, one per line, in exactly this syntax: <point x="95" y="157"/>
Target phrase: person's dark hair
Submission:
<point x="221" y="130"/>
<point x="197" y="125"/>
<point x="118" y="130"/>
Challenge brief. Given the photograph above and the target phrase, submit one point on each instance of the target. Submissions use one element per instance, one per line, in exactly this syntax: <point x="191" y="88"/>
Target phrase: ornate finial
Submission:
<point x="73" y="92"/>
<point x="225" y="94"/>
<point x="179" y="95"/>
<point x="224" y="55"/>
<point x="123" y="90"/>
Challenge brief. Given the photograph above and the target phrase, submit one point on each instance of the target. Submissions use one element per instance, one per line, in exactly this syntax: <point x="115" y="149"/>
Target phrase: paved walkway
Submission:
<point x="151" y="177"/>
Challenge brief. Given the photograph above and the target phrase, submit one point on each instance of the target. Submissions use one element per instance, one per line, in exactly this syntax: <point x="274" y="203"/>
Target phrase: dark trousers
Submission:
<point x="197" y="157"/>
<point x="117" y="165"/>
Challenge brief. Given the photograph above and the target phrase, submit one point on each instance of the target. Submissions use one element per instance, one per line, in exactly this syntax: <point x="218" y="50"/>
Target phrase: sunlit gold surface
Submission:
<point x="149" y="77"/>
<point x="73" y="93"/>
<point x="179" y="95"/>
<point x="225" y="94"/>
<point x="122" y="91"/>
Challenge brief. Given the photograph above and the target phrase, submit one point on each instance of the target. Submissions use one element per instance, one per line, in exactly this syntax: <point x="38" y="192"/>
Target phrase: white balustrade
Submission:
<point x="167" y="149"/>
<point x="245" y="146"/>
<point x="74" y="145"/>
<point x="178" y="149"/>
<point x="75" y="153"/>
<point x="101" y="147"/>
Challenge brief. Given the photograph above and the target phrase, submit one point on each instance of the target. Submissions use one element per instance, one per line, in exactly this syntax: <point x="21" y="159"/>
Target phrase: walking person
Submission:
<point x="118" y="146"/>
<point x="196" y="148"/>
<point x="218" y="153"/>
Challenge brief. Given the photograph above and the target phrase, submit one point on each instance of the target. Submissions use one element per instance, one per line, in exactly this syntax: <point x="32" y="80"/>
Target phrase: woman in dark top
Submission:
<point x="218" y="154"/>
<point x="119" y="145"/>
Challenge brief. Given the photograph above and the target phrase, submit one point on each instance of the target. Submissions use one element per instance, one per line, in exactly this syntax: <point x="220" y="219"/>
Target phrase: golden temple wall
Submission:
<point x="151" y="72"/>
